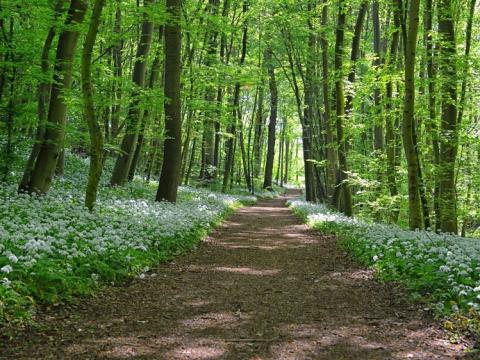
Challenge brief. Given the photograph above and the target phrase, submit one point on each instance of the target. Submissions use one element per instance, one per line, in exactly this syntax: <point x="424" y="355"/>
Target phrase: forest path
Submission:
<point x="262" y="286"/>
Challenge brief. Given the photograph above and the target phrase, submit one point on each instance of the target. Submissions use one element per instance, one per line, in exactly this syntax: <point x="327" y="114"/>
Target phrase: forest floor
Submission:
<point x="262" y="286"/>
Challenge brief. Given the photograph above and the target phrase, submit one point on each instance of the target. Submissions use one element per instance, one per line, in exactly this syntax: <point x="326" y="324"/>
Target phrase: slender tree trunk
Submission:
<point x="355" y="53"/>
<point x="117" y="72"/>
<point x="95" y="130"/>
<point x="52" y="144"/>
<point x="340" y="111"/>
<point x="466" y="66"/>
<point x="272" y="82"/>
<point x="208" y="143"/>
<point x="432" y="104"/>
<point x="220" y="91"/>
<point x="449" y="129"/>
<point x="152" y="82"/>
<point x="331" y="146"/>
<point x="192" y="160"/>
<point x="390" y="136"/>
<point x="129" y="141"/>
<point x="43" y="97"/>
<point x="378" y="118"/>
<point x="172" y="149"/>
<point x="246" y="172"/>
<point x="258" y="133"/>
<point x="287" y="161"/>
<point x="408" y="129"/>
<point x="230" y="143"/>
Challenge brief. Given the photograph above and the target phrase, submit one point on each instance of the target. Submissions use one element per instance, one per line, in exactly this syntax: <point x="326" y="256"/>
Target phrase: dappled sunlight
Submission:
<point x="248" y="271"/>
<point x="230" y="269"/>
<point x="115" y="347"/>
<point x="357" y="342"/>
<point x="198" y="352"/>
<point x="214" y="319"/>
<point x="197" y="303"/>
<point x="360" y="274"/>
<point x="259" y="293"/>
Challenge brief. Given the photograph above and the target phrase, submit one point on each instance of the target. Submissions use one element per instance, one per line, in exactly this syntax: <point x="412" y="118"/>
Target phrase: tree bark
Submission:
<point x="117" y="72"/>
<point x="390" y="136"/>
<point x="258" y="133"/>
<point x="230" y="143"/>
<point x="408" y="129"/>
<point x="331" y="141"/>
<point x="172" y="148"/>
<point x="129" y="141"/>
<point x="272" y="83"/>
<point x="340" y="112"/>
<point x="95" y="130"/>
<point x="449" y="129"/>
<point x="152" y="82"/>
<point x="43" y="97"/>
<point x="52" y="144"/>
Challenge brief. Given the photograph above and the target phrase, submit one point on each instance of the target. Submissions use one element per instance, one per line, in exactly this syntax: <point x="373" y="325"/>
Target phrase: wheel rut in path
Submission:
<point x="262" y="286"/>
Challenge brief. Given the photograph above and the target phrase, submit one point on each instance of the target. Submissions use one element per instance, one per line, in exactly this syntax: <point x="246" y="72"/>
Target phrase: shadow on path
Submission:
<point x="262" y="286"/>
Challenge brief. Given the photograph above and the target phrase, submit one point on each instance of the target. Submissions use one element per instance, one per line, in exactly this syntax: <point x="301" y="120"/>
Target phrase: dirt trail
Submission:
<point x="262" y="286"/>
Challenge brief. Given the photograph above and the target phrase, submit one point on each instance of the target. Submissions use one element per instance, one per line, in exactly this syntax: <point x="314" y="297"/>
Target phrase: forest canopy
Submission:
<point x="370" y="104"/>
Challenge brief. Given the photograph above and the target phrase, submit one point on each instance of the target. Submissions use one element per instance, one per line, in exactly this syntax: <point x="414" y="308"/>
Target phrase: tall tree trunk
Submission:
<point x="172" y="148"/>
<point x="466" y="65"/>
<point x="129" y="141"/>
<point x="431" y="124"/>
<point x="243" y="151"/>
<point x="408" y="129"/>
<point x="340" y="112"/>
<point x="355" y="53"/>
<point x="258" y="133"/>
<point x="230" y="143"/>
<point x="152" y="82"/>
<point x="52" y="144"/>
<point x="331" y="146"/>
<point x="95" y="130"/>
<point x="378" y="143"/>
<point x="117" y="72"/>
<point x="449" y="130"/>
<point x="220" y="91"/>
<point x="272" y="83"/>
<point x="308" y="121"/>
<point x="191" y="161"/>
<point x="390" y="136"/>
<point x="287" y="161"/>
<point x="43" y="97"/>
<point x="208" y="144"/>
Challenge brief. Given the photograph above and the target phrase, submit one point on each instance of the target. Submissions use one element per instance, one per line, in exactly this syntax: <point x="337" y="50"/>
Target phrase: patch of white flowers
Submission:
<point x="57" y="225"/>
<point x="450" y="262"/>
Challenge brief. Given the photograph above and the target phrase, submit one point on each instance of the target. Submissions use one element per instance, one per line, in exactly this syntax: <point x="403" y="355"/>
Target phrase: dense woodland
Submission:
<point x="130" y="129"/>
<point x="371" y="104"/>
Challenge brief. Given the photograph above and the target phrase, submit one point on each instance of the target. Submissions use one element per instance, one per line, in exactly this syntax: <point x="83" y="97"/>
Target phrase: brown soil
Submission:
<point x="263" y="286"/>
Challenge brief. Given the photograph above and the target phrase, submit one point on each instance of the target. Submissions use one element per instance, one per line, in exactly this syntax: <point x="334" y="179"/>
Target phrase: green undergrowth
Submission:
<point x="442" y="271"/>
<point x="54" y="251"/>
